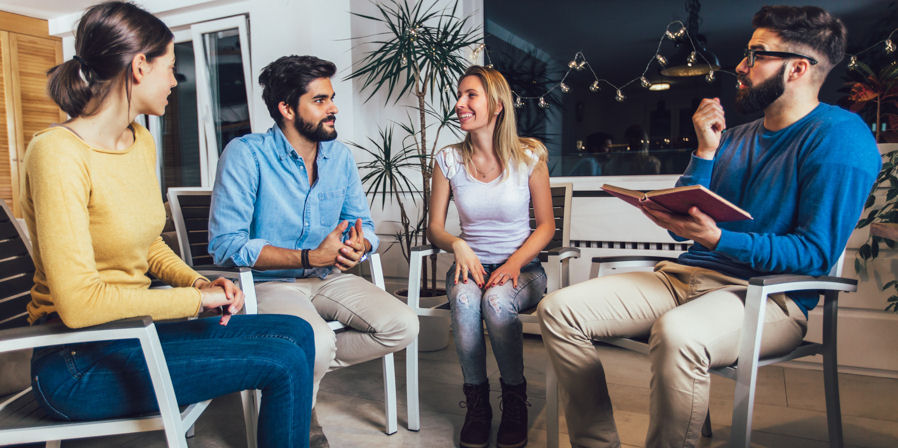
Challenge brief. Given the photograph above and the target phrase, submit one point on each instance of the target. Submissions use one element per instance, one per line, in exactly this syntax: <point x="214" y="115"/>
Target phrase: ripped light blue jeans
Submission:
<point x="498" y="306"/>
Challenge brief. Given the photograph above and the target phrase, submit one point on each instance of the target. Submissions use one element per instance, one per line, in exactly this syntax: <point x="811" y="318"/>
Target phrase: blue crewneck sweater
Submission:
<point x="805" y="185"/>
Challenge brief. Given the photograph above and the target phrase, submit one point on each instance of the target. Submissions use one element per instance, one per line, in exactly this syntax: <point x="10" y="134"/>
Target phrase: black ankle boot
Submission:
<point x="475" y="433"/>
<point x="513" y="428"/>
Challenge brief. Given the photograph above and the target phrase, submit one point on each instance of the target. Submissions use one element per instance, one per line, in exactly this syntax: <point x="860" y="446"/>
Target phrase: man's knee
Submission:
<point x="671" y="335"/>
<point x="552" y="306"/>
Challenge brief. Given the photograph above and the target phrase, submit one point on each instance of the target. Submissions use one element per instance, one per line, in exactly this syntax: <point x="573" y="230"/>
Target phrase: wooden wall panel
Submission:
<point x="6" y="127"/>
<point x="34" y="110"/>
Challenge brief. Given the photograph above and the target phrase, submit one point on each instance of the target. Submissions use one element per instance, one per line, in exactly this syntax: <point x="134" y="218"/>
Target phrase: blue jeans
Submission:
<point x="273" y="353"/>
<point x="498" y="306"/>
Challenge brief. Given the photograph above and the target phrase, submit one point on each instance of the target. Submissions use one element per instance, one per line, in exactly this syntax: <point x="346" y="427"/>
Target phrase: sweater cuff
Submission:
<point x="737" y="245"/>
<point x="199" y="302"/>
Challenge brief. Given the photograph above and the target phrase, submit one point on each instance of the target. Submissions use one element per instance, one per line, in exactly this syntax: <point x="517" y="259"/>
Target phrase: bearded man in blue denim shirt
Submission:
<point x="289" y="203"/>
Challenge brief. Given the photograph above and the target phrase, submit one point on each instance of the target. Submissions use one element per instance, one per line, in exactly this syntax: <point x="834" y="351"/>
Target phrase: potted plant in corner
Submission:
<point x="874" y="95"/>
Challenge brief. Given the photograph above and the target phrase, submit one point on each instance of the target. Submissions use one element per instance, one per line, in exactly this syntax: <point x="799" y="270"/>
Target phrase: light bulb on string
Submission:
<point x="564" y="87"/>
<point x="644" y="82"/>
<point x="489" y="66"/>
<point x="573" y="64"/>
<point x="690" y="59"/>
<point x="404" y="60"/>
<point x="890" y="46"/>
<point x="581" y="65"/>
<point x="680" y="32"/>
<point x="670" y="35"/>
<point x="619" y="96"/>
<point x="518" y="102"/>
<point x="662" y="61"/>
<point x="710" y="76"/>
<point x="543" y="103"/>
<point x="594" y="87"/>
<point x="852" y="62"/>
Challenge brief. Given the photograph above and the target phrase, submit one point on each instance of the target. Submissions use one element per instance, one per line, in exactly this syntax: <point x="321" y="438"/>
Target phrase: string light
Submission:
<point x="579" y="63"/>
<point x="888" y="47"/>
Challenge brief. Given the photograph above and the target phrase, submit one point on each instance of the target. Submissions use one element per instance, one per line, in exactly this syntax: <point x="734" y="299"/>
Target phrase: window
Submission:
<point x="209" y="107"/>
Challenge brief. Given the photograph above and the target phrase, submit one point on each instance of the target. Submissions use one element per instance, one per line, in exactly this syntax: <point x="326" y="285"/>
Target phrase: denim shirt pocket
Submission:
<point x="330" y="203"/>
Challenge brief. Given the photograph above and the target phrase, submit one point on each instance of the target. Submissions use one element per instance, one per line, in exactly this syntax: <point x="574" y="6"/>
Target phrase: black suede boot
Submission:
<point x="513" y="428"/>
<point x="475" y="432"/>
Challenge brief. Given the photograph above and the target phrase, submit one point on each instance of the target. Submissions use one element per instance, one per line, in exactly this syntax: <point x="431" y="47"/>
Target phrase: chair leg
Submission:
<point x="53" y="443"/>
<point x="551" y="408"/>
<point x="411" y="386"/>
<point x="747" y="366"/>
<point x="389" y="369"/>
<point x="250" y="401"/>
<point x="706" y="427"/>
<point x="831" y="371"/>
<point x="191" y="431"/>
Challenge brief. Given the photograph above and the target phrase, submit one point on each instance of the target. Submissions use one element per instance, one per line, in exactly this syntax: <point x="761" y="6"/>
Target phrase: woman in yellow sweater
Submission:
<point x="91" y="200"/>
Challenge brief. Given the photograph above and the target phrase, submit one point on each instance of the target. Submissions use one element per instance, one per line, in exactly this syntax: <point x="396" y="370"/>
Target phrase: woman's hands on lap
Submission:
<point x="221" y="293"/>
<point x="467" y="262"/>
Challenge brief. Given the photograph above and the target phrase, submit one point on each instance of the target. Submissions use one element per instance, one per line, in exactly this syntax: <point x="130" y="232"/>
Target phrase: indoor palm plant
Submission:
<point x="421" y="53"/>
<point x="874" y="94"/>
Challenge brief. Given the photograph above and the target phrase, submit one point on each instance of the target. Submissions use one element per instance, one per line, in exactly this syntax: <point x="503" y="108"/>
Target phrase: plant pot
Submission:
<point x="434" y="330"/>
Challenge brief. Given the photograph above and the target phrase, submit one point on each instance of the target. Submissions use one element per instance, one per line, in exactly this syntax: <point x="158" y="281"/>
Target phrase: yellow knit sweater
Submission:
<point x="95" y="217"/>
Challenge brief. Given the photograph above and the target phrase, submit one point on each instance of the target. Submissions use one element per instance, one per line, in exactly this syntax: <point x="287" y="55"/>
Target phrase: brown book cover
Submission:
<point x="678" y="200"/>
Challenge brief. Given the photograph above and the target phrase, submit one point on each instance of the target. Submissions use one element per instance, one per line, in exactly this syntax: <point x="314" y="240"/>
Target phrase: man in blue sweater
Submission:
<point x="803" y="171"/>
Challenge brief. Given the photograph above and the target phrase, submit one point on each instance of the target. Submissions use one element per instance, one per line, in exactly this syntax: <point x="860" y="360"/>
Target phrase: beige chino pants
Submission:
<point x="377" y="323"/>
<point x="693" y="317"/>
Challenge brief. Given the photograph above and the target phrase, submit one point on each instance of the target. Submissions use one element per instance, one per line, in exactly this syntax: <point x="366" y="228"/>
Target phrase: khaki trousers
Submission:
<point x="377" y="323"/>
<point x="693" y="317"/>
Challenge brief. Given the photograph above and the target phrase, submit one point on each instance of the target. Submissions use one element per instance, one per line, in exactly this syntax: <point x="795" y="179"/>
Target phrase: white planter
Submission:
<point x="434" y="330"/>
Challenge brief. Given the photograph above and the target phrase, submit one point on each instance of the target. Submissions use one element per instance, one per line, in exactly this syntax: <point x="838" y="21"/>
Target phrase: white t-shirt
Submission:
<point x="495" y="216"/>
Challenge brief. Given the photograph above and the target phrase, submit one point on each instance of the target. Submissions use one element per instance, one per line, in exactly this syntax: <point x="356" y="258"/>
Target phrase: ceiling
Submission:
<point x="45" y="9"/>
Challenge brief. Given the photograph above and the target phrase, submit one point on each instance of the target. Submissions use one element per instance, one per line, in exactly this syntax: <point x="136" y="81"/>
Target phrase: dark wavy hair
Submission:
<point x="808" y="26"/>
<point x="288" y="78"/>
<point x="108" y="37"/>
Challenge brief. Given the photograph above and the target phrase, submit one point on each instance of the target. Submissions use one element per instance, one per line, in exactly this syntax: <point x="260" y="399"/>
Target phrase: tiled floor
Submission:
<point x="789" y="409"/>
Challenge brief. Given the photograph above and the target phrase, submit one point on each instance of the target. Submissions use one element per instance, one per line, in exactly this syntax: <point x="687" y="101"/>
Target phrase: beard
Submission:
<point x="315" y="133"/>
<point x="751" y="99"/>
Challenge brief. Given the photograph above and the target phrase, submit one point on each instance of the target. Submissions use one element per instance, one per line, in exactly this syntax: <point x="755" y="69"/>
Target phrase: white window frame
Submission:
<point x="208" y="139"/>
<point x="208" y="142"/>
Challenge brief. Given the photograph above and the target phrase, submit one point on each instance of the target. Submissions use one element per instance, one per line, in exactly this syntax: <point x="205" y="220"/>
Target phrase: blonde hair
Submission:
<point x="508" y="146"/>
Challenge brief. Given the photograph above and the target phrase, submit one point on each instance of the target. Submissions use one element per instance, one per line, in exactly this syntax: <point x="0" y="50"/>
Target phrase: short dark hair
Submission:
<point x="288" y="78"/>
<point x="809" y="26"/>
<point x="108" y="37"/>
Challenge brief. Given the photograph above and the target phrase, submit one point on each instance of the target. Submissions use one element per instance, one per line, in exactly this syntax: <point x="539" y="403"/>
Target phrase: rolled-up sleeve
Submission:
<point x="231" y="212"/>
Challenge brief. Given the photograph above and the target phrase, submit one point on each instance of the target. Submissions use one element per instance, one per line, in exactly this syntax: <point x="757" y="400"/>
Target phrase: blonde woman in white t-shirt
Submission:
<point x="493" y="176"/>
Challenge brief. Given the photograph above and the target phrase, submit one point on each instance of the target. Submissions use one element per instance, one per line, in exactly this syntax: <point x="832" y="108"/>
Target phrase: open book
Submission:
<point x="679" y="199"/>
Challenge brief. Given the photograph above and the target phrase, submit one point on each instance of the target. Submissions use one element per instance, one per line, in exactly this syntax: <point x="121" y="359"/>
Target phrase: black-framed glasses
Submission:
<point x="751" y="55"/>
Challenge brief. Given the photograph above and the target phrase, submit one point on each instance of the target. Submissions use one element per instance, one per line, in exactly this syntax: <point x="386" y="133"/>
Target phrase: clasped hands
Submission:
<point x="344" y="254"/>
<point x="467" y="262"/>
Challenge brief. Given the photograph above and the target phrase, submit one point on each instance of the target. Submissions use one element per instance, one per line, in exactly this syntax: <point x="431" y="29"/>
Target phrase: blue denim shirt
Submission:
<point x="262" y="197"/>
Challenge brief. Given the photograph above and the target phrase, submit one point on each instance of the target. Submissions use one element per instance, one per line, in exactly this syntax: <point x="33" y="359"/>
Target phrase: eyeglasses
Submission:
<point x="751" y="55"/>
